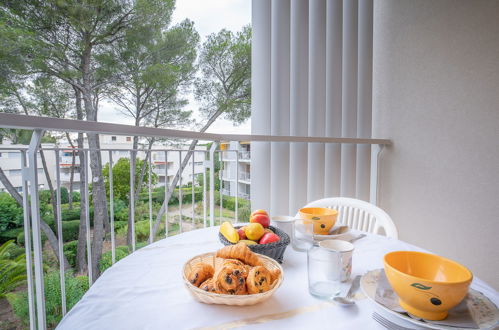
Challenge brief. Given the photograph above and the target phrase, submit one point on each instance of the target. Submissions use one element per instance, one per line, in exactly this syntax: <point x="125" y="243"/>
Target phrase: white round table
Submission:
<point x="145" y="291"/>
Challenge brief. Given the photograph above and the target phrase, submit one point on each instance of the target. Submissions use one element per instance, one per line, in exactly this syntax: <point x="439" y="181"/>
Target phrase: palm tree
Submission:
<point x="12" y="271"/>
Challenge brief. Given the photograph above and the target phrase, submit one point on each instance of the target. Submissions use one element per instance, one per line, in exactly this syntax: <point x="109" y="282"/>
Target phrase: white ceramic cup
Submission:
<point x="284" y="223"/>
<point x="341" y="259"/>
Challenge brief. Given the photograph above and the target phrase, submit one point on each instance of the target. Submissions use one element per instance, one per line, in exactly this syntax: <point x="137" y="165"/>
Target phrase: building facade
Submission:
<point x="233" y="167"/>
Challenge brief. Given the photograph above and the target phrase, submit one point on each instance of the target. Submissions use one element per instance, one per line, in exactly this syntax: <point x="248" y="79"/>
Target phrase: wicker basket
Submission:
<point x="273" y="250"/>
<point x="226" y="299"/>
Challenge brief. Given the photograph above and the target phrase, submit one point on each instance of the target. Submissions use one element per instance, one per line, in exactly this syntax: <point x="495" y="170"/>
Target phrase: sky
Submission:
<point x="209" y="16"/>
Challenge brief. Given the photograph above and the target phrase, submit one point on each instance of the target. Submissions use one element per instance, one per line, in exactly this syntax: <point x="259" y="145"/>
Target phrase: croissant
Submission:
<point x="230" y="280"/>
<point x="259" y="280"/>
<point x="241" y="252"/>
<point x="200" y="273"/>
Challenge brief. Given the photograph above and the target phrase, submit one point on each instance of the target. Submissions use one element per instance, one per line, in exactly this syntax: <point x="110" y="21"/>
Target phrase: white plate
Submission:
<point x="485" y="313"/>
<point x="345" y="236"/>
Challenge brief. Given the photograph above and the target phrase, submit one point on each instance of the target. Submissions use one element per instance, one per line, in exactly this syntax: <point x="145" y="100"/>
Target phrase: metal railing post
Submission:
<point x="180" y="172"/>
<point x="150" y="199"/>
<point x="132" y="200"/>
<point x="373" y="186"/>
<point x="59" y="232"/>
<point x="166" y="194"/>
<point x="27" y="241"/>
<point x="32" y="175"/>
<point x="111" y="207"/>
<point x="87" y="221"/>
<point x="193" y="197"/>
<point x="204" y="191"/>
<point x="237" y="184"/>
<point x="222" y="167"/>
<point x="212" y="184"/>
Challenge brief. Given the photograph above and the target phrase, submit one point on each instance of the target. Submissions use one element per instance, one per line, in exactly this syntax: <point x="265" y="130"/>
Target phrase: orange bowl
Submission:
<point x="322" y="218"/>
<point x="427" y="285"/>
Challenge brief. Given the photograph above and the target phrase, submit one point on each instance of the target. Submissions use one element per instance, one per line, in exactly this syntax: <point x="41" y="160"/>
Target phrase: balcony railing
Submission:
<point x="32" y="218"/>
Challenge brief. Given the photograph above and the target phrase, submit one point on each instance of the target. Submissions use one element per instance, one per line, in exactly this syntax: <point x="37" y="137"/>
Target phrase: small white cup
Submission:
<point x="284" y="223"/>
<point x="342" y="257"/>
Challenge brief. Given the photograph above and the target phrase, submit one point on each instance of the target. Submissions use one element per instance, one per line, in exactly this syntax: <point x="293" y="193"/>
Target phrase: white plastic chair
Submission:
<point x="358" y="215"/>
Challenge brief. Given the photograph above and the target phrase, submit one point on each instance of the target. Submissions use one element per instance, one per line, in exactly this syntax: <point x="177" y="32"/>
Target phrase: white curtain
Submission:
<point x="311" y="76"/>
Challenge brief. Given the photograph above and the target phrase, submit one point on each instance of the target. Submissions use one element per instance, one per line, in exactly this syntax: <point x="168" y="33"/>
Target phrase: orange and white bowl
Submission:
<point x="427" y="285"/>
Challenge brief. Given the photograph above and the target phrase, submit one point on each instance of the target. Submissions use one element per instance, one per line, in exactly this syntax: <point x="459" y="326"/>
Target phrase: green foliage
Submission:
<point x="142" y="231"/>
<point x="73" y="214"/>
<point x="107" y="261"/>
<point x="10" y="234"/>
<point x="75" y="289"/>
<point x="64" y="195"/>
<point x="76" y="196"/>
<point x="229" y="202"/>
<point x="243" y="214"/>
<point x="121" y="177"/>
<point x="44" y="197"/>
<point x="225" y="85"/>
<point x="11" y="215"/>
<point x="20" y="238"/>
<point x="12" y="271"/>
<point x="70" y="230"/>
<point x="70" y="249"/>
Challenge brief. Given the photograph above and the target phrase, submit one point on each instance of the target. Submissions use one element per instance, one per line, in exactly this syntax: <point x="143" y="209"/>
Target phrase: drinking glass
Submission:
<point x="302" y="237"/>
<point x="329" y="263"/>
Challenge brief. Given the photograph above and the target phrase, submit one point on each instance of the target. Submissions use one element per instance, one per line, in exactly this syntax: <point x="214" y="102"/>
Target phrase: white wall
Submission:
<point x="436" y="95"/>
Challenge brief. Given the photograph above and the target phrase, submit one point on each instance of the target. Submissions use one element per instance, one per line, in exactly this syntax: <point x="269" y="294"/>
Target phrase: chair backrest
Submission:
<point x="359" y="215"/>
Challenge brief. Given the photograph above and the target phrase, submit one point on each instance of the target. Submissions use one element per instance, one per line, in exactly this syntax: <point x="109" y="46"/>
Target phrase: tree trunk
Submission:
<point x="81" y="256"/>
<point x="54" y="204"/>
<point x="46" y="229"/>
<point x="71" y="178"/>
<point x="179" y="172"/>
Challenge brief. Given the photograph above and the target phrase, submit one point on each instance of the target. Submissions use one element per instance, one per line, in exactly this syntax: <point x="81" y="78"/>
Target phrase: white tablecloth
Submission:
<point x="145" y="291"/>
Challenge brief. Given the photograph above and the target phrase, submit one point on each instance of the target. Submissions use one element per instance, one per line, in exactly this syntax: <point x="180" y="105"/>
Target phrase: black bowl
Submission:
<point x="273" y="250"/>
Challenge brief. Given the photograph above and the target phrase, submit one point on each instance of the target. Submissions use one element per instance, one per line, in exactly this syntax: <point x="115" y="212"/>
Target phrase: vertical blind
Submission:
<point x="311" y="76"/>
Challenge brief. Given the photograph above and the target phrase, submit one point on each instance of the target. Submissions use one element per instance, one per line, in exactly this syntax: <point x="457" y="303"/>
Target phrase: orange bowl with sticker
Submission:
<point x="322" y="218"/>
<point x="427" y="285"/>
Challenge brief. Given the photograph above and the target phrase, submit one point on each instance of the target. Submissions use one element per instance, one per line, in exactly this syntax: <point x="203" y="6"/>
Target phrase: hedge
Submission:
<point x="69" y="249"/>
<point x="229" y="202"/>
<point x="158" y="196"/>
<point x="70" y="231"/>
<point x="106" y="260"/>
<point x="7" y="235"/>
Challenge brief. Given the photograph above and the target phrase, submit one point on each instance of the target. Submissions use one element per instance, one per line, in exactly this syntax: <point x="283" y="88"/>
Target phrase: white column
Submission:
<point x="364" y="97"/>
<point x="334" y="30"/>
<point x="298" y="104"/>
<point x="260" y="104"/>
<point x="316" y="97"/>
<point x="279" y="104"/>
<point x="349" y="97"/>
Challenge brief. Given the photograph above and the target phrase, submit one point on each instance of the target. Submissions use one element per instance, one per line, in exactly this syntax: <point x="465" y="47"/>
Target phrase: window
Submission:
<point x="198" y="163"/>
<point x="128" y="139"/>
<point x="113" y="138"/>
<point x="14" y="154"/>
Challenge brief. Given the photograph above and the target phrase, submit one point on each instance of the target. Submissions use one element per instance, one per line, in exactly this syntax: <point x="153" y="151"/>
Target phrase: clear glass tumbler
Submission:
<point x="302" y="235"/>
<point x="324" y="277"/>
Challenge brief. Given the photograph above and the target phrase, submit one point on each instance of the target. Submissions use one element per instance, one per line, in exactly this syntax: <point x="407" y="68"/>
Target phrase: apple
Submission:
<point x="242" y="234"/>
<point x="269" y="238"/>
<point x="261" y="217"/>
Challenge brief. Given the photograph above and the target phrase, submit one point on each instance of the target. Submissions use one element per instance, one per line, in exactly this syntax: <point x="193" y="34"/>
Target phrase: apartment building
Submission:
<point x="10" y="163"/>
<point x="112" y="146"/>
<point x="234" y="166"/>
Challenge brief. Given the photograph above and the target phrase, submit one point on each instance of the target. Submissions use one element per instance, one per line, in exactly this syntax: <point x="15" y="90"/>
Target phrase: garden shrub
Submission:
<point x="73" y="214"/>
<point x="243" y="214"/>
<point x="20" y="238"/>
<point x="64" y="195"/>
<point x="229" y="202"/>
<point x="44" y="196"/>
<point x="76" y="196"/>
<point x="106" y="261"/>
<point x="70" y="230"/>
<point x="69" y="249"/>
<point x="75" y="289"/>
<point x="10" y="234"/>
<point x="11" y="214"/>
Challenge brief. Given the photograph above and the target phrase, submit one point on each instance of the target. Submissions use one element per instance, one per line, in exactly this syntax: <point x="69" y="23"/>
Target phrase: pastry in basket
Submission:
<point x="229" y="279"/>
<point x="244" y="268"/>
<point x="200" y="273"/>
<point x="208" y="285"/>
<point x="241" y="252"/>
<point x="259" y="280"/>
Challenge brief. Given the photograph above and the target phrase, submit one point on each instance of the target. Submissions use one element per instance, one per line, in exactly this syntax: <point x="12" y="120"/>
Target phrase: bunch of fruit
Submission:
<point x="256" y="232"/>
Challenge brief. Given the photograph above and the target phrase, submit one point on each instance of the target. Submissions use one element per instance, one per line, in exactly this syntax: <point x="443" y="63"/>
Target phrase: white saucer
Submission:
<point x="344" y="236"/>
<point x="484" y="312"/>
